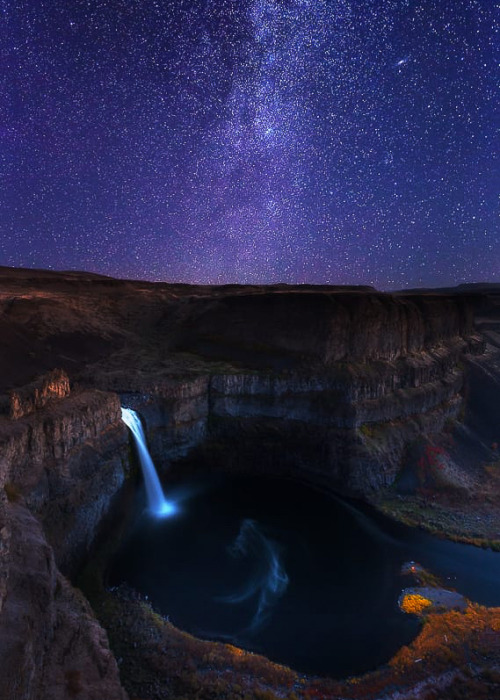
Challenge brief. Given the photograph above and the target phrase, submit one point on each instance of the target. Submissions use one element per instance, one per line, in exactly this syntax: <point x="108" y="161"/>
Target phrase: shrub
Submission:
<point x="414" y="603"/>
<point x="12" y="492"/>
<point x="73" y="682"/>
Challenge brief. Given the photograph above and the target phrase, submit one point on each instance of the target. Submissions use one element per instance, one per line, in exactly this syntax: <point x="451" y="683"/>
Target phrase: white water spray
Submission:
<point x="157" y="503"/>
<point x="270" y="581"/>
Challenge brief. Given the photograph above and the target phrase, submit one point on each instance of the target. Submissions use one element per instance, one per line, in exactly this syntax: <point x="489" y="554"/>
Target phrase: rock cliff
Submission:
<point x="51" y="646"/>
<point x="306" y="371"/>
<point x="330" y="385"/>
<point x="27" y="399"/>
<point x="292" y="328"/>
<point x="61" y="463"/>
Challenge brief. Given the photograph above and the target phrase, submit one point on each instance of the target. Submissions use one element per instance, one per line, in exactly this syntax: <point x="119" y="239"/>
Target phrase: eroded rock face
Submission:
<point x="175" y="413"/>
<point x="320" y="383"/>
<point x="68" y="461"/>
<point x="294" y="328"/>
<point x="347" y="427"/>
<point x="60" y="467"/>
<point x="51" y="646"/>
<point x="51" y="386"/>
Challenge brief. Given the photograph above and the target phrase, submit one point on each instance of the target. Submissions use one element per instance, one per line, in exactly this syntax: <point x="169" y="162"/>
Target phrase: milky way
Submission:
<point x="322" y="141"/>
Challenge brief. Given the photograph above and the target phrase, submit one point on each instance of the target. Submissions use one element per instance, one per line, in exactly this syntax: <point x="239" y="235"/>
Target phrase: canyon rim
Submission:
<point x="390" y="399"/>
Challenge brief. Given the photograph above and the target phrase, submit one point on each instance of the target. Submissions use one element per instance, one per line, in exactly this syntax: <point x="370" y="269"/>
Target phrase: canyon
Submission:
<point x="391" y="398"/>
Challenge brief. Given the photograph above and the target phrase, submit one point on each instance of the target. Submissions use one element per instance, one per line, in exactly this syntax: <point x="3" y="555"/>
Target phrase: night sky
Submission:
<point x="213" y="141"/>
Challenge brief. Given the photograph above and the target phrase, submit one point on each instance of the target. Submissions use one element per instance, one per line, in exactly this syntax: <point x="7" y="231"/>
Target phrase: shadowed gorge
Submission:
<point x="278" y="568"/>
<point x="387" y="398"/>
<point x="235" y="462"/>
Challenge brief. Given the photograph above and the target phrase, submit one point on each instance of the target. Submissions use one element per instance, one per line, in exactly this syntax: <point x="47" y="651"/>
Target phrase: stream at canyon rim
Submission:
<point x="279" y="568"/>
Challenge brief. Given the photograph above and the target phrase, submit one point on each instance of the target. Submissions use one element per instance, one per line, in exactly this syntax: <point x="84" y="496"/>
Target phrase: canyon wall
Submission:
<point x="29" y="398"/>
<point x="61" y="463"/>
<point x="292" y="328"/>
<point x="322" y="384"/>
<point x="51" y="646"/>
<point x="174" y="412"/>
<point x="67" y="461"/>
<point x="330" y="387"/>
<point x="348" y="430"/>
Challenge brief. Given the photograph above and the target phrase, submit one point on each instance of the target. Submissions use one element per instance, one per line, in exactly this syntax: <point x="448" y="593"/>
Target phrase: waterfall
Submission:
<point x="157" y="503"/>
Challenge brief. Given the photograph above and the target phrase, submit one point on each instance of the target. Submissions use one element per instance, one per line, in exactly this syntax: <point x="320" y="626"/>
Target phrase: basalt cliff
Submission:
<point x="392" y="398"/>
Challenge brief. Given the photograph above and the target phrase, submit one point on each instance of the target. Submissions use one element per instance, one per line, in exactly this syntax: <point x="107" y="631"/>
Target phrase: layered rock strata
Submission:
<point x="60" y="467"/>
<point x="27" y="399"/>
<point x="323" y="384"/>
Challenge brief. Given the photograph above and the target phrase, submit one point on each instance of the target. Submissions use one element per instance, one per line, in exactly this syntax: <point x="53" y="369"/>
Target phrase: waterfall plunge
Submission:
<point x="157" y="503"/>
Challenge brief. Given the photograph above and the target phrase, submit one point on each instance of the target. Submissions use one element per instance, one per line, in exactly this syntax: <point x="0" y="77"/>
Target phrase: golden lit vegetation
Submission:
<point x="178" y="665"/>
<point x="159" y="660"/>
<point x="414" y="603"/>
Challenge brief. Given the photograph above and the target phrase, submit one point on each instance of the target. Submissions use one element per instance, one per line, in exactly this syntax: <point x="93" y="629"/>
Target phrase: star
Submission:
<point x="251" y="140"/>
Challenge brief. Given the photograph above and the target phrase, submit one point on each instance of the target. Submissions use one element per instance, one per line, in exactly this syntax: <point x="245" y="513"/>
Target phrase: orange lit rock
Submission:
<point x="29" y="398"/>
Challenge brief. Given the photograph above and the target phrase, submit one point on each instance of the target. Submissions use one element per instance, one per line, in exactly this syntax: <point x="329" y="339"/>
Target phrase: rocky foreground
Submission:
<point x="392" y="398"/>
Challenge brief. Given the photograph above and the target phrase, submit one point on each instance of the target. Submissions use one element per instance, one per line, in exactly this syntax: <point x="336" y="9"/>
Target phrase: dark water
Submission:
<point x="279" y="568"/>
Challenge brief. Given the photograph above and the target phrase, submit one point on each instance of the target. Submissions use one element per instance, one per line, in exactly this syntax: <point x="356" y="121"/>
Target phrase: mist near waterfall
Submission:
<point x="270" y="580"/>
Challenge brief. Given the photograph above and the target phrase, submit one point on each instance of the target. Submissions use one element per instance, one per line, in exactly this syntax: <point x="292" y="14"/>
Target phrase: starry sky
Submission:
<point x="251" y="141"/>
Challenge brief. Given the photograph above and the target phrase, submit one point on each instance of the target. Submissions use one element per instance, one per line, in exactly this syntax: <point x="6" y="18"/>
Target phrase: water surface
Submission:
<point x="277" y="567"/>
